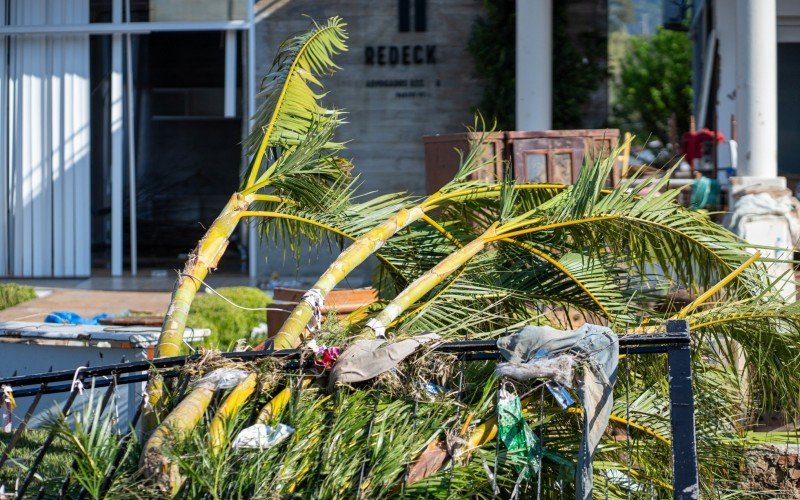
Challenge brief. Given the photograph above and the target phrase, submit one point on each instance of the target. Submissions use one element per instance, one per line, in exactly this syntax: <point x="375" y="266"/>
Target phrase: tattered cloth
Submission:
<point x="544" y="352"/>
<point x="761" y="202"/>
<point x="366" y="359"/>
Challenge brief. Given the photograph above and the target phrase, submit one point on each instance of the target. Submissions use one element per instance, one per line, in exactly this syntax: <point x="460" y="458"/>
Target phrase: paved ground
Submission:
<point x="87" y="303"/>
<point x="146" y="281"/>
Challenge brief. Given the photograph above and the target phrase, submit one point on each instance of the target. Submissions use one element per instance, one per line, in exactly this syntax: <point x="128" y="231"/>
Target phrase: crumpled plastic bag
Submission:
<point x="222" y="378"/>
<point x="516" y="434"/>
<point x="261" y="436"/>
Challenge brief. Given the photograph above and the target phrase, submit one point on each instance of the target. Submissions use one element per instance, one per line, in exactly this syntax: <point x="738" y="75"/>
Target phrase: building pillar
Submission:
<point x="757" y="88"/>
<point x="534" y="64"/>
<point x="116" y="143"/>
<point x="757" y="127"/>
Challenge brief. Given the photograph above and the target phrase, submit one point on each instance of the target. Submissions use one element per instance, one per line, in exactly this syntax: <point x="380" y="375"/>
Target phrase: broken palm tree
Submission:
<point x="606" y="253"/>
<point x="294" y="158"/>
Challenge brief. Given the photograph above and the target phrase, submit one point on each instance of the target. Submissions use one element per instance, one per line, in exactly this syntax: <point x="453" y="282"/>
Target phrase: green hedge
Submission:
<point x="12" y="294"/>
<point x="228" y="323"/>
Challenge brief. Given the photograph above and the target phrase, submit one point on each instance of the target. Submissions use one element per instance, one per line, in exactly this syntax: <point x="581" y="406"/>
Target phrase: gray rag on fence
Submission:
<point x="592" y="346"/>
<point x="367" y="359"/>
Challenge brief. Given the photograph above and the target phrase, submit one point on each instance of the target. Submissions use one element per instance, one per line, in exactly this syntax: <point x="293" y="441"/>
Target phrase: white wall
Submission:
<point x="46" y="163"/>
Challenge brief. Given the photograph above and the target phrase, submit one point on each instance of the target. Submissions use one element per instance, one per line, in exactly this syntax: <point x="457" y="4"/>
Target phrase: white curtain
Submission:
<point x="44" y="125"/>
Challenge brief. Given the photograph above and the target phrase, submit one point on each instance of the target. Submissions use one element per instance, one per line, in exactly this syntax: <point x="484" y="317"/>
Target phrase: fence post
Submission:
<point x="684" y="450"/>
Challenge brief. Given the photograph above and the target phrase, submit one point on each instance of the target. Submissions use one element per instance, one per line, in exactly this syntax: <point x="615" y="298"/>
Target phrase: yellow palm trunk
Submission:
<point x="205" y="256"/>
<point x="173" y="429"/>
<point x="277" y="404"/>
<point x="228" y="409"/>
<point x="291" y="333"/>
<point x="432" y="278"/>
<point x="150" y="412"/>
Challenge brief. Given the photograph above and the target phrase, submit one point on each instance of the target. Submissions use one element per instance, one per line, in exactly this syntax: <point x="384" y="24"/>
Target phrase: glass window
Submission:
<point x="562" y="168"/>
<point x="173" y="10"/>
<point x="536" y="168"/>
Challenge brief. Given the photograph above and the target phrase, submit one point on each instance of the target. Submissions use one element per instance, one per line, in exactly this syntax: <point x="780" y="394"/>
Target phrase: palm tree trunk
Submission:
<point x="276" y="405"/>
<point x="431" y="278"/>
<point x="228" y="409"/>
<point x="174" y="428"/>
<point x="291" y="333"/>
<point x="205" y="257"/>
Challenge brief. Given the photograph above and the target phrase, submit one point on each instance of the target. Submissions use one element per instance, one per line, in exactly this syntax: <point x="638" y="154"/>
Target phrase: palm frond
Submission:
<point x="290" y="106"/>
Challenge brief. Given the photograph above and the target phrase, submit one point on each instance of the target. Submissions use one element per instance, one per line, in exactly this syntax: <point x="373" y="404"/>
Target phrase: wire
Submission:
<point x="226" y="299"/>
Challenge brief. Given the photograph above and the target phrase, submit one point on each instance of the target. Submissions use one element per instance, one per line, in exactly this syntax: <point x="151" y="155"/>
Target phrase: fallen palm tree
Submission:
<point x="489" y="259"/>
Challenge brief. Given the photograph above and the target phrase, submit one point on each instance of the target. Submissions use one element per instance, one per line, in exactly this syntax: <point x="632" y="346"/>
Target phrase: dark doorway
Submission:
<point x="188" y="154"/>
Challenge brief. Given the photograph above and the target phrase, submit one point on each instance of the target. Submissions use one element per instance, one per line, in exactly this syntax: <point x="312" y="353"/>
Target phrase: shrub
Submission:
<point x="12" y="294"/>
<point x="228" y="323"/>
<point x="655" y="82"/>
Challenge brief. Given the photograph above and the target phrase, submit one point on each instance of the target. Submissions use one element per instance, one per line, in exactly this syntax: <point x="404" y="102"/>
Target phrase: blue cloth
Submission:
<point x="71" y="318"/>
<point x="705" y="193"/>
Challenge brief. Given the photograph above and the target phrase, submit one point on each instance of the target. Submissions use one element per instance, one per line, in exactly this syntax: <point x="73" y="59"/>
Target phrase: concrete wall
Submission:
<point x="386" y="123"/>
<point x="394" y="94"/>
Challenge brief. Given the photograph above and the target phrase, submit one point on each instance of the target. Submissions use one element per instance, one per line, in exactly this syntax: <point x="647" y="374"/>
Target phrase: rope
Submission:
<point x="377" y="327"/>
<point x="77" y="383"/>
<point x="316" y="300"/>
<point x="226" y="299"/>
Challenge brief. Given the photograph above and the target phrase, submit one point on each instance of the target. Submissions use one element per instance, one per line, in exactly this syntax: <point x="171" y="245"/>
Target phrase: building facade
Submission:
<point x="719" y="48"/>
<point x="121" y="120"/>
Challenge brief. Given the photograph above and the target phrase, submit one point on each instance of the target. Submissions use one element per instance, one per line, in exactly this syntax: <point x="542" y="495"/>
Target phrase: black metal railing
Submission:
<point x="675" y="342"/>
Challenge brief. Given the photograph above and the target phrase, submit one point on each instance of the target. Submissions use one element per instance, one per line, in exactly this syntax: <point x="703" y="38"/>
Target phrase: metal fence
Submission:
<point x="674" y="342"/>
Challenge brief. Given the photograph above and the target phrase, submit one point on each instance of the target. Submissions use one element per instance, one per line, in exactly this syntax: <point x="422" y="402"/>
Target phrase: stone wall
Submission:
<point x="774" y="470"/>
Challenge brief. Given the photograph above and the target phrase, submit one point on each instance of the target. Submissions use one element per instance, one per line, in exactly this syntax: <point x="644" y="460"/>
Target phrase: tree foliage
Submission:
<point x="655" y="82"/>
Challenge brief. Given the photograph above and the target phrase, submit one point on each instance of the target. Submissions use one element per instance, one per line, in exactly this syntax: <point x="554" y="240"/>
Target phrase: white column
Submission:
<point x="132" y="222"/>
<point x="757" y="88"/>
<point x="534" y="64"/>
<point x="757" y="126"/>
<point x="252" y="235"/>
<point x="5" y="216"/>
<point x="230" y="74"/>
<point x="116" y="143"/>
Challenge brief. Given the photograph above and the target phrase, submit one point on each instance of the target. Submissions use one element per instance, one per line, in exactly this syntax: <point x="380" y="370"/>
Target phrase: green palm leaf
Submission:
<point x="291" y="107"/>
